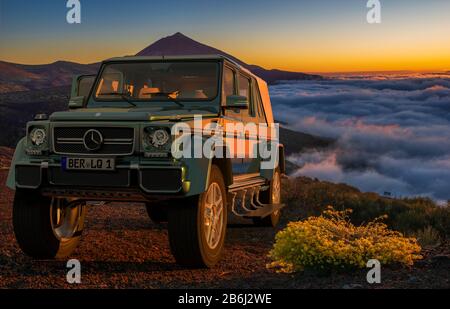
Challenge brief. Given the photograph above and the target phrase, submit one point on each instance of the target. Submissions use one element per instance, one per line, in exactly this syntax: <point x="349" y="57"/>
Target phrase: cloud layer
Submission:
<point x="393" y="133"/>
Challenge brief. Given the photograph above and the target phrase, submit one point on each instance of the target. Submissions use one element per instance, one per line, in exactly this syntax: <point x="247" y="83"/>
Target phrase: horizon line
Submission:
<point x="272" y="68"/>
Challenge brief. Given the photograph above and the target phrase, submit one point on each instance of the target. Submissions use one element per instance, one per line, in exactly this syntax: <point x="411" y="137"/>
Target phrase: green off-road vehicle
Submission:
<point x="116" y="143"/>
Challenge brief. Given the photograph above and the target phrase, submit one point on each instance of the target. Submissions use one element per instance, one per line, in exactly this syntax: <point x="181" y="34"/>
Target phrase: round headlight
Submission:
<point x="37" y="136"/>
<point x="159" y="138"/>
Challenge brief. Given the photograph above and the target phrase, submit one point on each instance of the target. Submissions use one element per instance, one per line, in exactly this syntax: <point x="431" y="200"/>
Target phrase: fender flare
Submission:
<point x="281" y="159"/>
<point x="19" y="155"/>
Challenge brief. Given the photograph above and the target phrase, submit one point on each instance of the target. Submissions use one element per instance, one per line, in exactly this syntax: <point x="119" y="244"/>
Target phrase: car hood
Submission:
<point x="131" y="114"/>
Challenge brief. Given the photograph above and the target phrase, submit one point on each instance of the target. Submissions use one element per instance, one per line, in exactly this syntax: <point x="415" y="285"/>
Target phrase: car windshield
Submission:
<point x="159" y="81"/>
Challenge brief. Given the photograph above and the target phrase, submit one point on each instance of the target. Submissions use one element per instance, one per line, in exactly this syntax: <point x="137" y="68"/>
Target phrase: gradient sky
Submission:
<point x="309" y="35"/>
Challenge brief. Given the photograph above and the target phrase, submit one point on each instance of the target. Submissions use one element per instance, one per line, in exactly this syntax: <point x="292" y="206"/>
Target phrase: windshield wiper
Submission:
<point x="124" y="96"/>
<point x="169" y="95"/>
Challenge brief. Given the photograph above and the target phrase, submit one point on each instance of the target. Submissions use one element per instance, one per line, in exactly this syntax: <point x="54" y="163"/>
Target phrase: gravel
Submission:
<point x="122" y="248"/>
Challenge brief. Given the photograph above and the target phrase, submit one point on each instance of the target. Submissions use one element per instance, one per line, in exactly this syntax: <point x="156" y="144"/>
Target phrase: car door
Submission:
<point x="251" y="161"/>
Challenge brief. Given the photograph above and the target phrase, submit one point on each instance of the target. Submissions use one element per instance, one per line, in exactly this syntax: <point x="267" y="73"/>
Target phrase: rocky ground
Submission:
<point x="122" y="248"/>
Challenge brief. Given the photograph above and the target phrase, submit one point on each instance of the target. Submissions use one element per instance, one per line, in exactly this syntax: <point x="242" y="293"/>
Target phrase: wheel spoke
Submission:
<point x="218" y="202"/>
<point x="214" y="213"/>
<point x="65" y="218"/>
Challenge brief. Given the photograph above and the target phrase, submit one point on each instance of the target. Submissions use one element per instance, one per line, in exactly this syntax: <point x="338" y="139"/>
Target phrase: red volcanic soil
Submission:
<point x="5" y="157"/>
<point x="122" y="248"/>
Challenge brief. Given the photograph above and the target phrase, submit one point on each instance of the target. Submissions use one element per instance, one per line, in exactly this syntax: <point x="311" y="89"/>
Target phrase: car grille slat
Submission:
<point x="116" y="140"/>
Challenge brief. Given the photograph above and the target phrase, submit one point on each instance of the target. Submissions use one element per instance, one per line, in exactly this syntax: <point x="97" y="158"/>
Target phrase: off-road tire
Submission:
<point x="186" y="228"/>
<point x="156" y="213"/>
<point x="33" y="228"/>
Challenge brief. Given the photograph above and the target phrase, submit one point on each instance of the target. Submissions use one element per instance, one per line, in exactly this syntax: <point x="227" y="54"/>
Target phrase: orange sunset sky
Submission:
<point x="310" y="36"/>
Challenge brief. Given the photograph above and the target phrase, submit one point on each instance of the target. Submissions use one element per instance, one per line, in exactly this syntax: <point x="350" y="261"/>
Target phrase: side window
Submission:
<point x="260" y="114"/>
<point x="229" y="88"/>
<point x="247" y="89"/>
<point x="228" y="83"/>
<point x="85" y="84"/>
<point x="244" y="87"/>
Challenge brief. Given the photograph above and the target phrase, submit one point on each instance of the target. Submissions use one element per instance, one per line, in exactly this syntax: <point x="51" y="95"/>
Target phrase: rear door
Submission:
<point x="251" y="120"/>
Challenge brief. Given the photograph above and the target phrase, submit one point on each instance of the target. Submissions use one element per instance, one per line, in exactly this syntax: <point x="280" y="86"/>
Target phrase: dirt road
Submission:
<point x="122" y="248"/>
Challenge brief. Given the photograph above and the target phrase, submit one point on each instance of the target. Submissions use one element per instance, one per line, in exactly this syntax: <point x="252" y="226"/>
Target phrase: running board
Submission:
<point x="239" y="185"/>
<point x="245" y="202"/>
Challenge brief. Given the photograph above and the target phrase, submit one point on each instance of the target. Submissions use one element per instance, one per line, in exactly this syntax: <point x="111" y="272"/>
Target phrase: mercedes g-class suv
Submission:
<point x="116" y="143"/>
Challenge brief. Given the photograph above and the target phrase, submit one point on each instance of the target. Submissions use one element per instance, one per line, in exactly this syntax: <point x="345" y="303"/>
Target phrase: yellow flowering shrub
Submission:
<point x="332" y="241"/>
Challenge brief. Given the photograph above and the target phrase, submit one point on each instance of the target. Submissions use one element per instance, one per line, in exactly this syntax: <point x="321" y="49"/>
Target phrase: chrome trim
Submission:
<point x="107" y="141"/>
<point x="243" y="177"/>
<point x="134" y="166"/>
<point x="90" y="125"/>
<point x="98" y="143"/>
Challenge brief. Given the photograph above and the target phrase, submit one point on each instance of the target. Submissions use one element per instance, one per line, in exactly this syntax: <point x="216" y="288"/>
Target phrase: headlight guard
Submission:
<point x="157" y="137"/>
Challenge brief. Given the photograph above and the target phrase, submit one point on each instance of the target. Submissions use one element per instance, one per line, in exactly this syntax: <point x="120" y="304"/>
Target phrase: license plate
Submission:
<point x="96" y="164"/>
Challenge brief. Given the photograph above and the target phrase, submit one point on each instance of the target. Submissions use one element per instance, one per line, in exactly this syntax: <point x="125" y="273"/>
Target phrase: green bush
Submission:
<point x="332" y="241"/>
<point x="428" y="237"/>
<point x="310" y="197"/>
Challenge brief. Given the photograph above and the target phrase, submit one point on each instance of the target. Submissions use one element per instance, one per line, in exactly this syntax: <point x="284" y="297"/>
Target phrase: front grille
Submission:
<point x="116" y="140"/>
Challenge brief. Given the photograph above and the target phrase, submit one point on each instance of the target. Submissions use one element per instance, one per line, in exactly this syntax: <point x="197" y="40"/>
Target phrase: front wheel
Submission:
<point x="197" y="228"/>
<point x="156" y="213"/>
<point x="46" y="228"/>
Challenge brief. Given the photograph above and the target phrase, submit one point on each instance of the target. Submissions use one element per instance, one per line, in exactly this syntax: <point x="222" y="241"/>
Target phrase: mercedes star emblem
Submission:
<point x="92" y="140"/>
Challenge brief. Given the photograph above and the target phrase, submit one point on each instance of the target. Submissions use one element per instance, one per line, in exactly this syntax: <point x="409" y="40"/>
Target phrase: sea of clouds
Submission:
<point x="392" y="132"/>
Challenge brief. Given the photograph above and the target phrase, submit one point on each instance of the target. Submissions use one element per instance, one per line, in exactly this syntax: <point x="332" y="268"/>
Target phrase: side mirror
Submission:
<point x="76" y="102"/>
<point x="237" y="101"/>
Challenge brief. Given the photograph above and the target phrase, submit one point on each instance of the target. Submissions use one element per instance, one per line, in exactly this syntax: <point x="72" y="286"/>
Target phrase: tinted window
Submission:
<point x="244" y="87"/>
<point x="159" y="81"/>
<point x="260" y="108"/>
<point x="84" y="85"/>
<point x="229" y="88"/>
<point x="228" y="82"/>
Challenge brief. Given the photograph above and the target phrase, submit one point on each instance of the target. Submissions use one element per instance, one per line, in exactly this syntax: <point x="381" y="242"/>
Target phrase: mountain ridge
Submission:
<point x="179" y="45"/>
<point x="24" y="77"/>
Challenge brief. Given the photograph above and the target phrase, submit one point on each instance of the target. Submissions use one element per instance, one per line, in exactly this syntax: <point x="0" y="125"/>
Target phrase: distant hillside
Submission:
<point x="179" y="44"/>
<point x="21" y="77"/>
<point x="413" y="216"/>
<point x="17" y="108"/>
<point x="296" y="142"/>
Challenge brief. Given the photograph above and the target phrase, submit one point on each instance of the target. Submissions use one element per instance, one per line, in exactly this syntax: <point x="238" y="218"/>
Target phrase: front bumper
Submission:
<point x="153" y="179"/>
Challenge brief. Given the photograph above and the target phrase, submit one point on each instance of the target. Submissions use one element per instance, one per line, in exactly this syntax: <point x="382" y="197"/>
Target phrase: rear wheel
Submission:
<point x="271" y="196"/>
<point x="197" y="229"/>
<point x="46" y="228"/>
